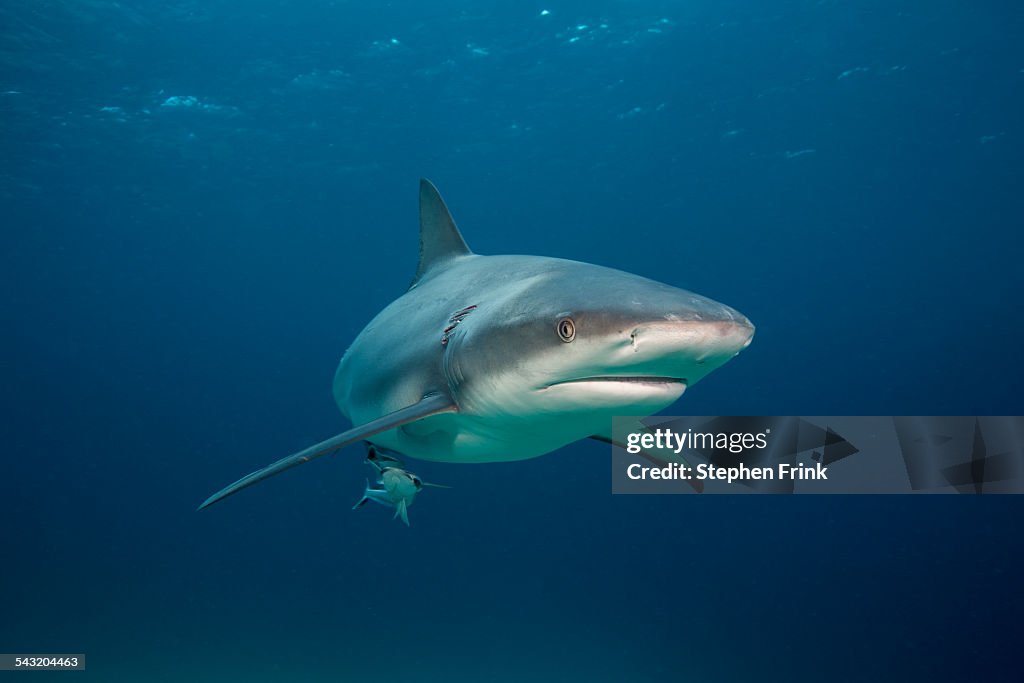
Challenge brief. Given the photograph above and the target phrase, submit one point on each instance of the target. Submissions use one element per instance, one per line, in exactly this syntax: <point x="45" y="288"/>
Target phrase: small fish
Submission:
<point x="400" y="485"/>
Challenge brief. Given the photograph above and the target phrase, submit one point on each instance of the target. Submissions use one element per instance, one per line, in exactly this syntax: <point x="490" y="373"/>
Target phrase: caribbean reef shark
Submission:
<point x="498" y="358"/>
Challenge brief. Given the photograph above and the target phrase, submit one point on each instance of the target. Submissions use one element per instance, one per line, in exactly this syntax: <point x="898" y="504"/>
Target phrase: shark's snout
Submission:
<point x="688" y="344"/>
<point x="699" y="339"/>
<point x="735" y="328"/>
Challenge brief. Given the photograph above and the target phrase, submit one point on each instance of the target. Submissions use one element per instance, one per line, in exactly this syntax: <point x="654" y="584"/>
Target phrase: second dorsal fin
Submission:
<point x="440" y="239"/>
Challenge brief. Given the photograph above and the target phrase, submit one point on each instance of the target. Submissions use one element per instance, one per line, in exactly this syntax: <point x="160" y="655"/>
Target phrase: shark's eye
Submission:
<point x="417" y="483"/>
<point x="566" y="329"/>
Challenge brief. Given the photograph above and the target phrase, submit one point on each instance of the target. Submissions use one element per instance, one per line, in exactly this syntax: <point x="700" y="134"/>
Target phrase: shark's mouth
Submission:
<point x="625" y="379"/>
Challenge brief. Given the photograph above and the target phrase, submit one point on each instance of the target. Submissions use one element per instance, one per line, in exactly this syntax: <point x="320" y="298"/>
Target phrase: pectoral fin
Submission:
<point x="429" y="405"/>
<point x="402" y="510"/>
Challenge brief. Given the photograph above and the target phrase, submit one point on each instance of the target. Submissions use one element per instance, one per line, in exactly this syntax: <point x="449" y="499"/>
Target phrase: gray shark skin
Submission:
<point x="498" y="358"/>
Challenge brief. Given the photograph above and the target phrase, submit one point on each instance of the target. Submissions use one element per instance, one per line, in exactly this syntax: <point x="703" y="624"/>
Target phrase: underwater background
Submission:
<point x="204" y="202"/>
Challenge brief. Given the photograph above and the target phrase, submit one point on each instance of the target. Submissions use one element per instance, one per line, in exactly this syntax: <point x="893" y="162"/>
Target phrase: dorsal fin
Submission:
<point x="440" y="239"/>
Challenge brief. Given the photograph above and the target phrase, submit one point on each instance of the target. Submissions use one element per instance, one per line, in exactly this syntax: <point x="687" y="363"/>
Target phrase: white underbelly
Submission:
<point x="470" y="439"/>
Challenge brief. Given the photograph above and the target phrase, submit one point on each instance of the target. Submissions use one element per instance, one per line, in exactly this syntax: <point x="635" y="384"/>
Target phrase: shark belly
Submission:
<point x="456" y="438"/>
<point x="482" y="437"/>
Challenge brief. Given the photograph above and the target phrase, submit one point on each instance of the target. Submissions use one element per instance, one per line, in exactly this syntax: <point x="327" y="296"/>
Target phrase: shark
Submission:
<point x="509" y="357"/>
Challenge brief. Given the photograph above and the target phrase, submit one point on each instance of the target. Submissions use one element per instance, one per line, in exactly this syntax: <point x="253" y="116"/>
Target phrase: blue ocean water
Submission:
<point x="204" y="202"/>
